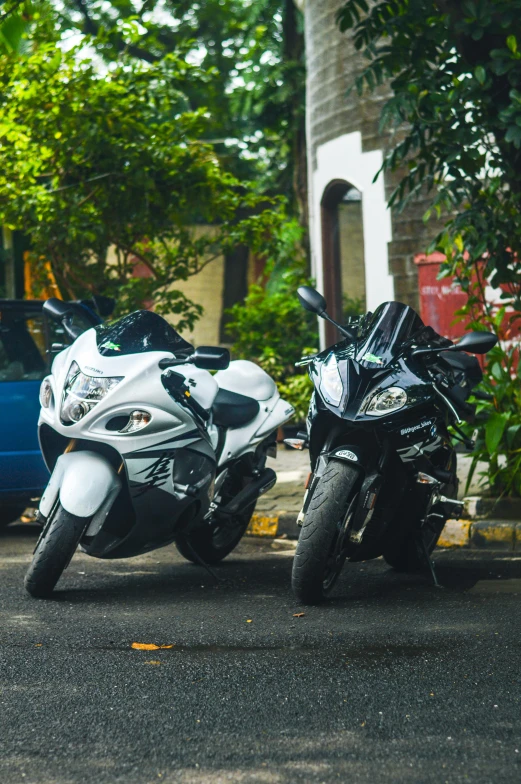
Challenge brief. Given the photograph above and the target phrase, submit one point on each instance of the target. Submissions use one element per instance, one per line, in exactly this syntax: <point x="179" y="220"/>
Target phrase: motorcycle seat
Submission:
<point x="248" y="379"/>
<point x="233" y="410"/>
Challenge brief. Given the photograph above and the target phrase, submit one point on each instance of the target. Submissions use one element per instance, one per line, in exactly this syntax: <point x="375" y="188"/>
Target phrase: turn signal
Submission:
<point x="137" y="421"/>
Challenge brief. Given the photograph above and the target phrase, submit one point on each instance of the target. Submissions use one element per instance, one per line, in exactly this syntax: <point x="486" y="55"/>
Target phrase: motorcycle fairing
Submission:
<point x="163" y="495"/>
<point x="359" y="383"/>
<point x="391" y="325"/>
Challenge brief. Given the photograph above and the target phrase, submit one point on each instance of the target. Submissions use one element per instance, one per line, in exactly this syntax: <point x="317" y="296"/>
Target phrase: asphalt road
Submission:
<point x="391" y="681"/>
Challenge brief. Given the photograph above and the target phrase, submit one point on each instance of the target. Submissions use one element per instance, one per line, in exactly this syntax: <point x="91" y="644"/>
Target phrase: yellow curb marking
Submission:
<point x="455" y="534"/>
<point x="263" y="525"/>
<point x="496" y="533"/>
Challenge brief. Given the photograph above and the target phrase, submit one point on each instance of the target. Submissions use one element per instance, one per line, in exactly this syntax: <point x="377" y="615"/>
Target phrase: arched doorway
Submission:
<point x="343" y="253"/>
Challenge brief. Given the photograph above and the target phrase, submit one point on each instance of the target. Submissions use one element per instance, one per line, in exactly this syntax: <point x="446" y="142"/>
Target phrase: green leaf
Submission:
<point x="12" y="30"/>
<point x="511" y="434"/>
<point x="512" y="43"/>
<point x="513" y="135"/>
<point x="498" y="318"/>
<point x="480" y="74"/>
<point x="494" y="430"/>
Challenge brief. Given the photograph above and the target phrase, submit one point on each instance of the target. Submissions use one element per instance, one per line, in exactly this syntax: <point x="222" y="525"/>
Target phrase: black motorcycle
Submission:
<point x="383" y="463"/>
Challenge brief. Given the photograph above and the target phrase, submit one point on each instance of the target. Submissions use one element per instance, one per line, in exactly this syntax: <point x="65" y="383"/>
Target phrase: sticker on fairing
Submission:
<point x="111" y="346"/>
<point x="347" y="455"/>
<point x="372" y="358"/>
<point x="405" y="431"/>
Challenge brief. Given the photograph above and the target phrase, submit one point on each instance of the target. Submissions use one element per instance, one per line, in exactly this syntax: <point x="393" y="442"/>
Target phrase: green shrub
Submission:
<point x="272" y="329"/>
<point x="498" y="431"/>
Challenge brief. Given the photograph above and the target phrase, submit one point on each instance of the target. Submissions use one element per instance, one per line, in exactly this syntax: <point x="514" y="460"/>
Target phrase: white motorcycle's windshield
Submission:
<point x="137" y="333"/>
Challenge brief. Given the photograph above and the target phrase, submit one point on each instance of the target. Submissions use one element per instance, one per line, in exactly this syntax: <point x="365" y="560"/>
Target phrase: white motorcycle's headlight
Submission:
<point x="81" y="393"/>
<point x="391" y="399"/>
<point x="45" y="393"/>
<point x="331" y="387"/>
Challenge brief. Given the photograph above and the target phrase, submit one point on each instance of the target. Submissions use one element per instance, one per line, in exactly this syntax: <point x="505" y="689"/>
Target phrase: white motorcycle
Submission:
<point x="143" y="454"/>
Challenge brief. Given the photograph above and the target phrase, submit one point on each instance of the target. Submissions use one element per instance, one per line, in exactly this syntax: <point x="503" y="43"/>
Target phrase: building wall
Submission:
<point x="343" y="137"/>
<point x="206" y="289"/>
<point x="210" y="288"/>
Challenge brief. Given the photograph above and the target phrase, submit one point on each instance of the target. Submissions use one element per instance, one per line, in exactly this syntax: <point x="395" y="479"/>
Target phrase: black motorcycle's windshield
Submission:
<point x="392" y="324"/>
<point x="137" y="333"/>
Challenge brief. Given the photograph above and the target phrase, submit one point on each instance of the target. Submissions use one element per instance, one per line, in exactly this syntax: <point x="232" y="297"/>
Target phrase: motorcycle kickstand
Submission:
<point x="202" y="563"/>
<point x="428" y="559"/>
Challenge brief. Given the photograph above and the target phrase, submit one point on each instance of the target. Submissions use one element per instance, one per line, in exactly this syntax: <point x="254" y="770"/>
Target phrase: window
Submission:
<point x="24" y="338"/>
<point x="343" y="253"/>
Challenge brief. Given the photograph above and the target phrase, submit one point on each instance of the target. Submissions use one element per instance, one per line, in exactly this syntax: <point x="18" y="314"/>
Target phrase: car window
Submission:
<point x="22" y="345"/>
<point x="25" y="335"/>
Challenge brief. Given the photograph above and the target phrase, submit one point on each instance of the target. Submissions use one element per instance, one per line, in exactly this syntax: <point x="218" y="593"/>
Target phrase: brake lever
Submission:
<point x="167" y="363"/>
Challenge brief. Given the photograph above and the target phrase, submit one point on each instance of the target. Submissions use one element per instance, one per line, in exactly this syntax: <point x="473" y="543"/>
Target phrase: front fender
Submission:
<point x="84" y="481"/>
<point x="348" y="454"/>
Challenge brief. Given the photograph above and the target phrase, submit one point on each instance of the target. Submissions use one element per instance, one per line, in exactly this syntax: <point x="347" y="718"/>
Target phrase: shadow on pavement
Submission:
<point x="272" y="576"/>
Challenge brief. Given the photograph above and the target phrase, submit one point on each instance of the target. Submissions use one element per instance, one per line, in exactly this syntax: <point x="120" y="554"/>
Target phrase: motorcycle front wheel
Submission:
<point x="54" y="550"/>
<point x="321" y="548"/>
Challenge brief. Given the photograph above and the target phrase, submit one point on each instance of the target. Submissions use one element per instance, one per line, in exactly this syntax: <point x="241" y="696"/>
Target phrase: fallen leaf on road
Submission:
<point x="298" y="615"/>
<point x="153" y="661"/>
<point x="148" y="646"/>
<point x="249" y="621"/>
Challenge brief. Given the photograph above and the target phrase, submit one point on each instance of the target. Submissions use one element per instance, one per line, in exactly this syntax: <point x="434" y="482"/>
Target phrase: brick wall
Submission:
<point x="333" y="110"/>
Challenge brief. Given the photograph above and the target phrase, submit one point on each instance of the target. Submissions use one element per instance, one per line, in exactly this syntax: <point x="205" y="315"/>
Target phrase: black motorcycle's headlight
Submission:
<point x="386" y="402"/>
<point x="331" y="387"/>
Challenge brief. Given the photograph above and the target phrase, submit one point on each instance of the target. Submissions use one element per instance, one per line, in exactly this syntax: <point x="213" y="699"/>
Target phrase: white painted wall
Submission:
<point x="342" y="159"/>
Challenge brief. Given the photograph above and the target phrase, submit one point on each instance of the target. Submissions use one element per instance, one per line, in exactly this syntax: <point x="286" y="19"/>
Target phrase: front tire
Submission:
<point x="54" y="550"/>
<point x="321" y="549"/>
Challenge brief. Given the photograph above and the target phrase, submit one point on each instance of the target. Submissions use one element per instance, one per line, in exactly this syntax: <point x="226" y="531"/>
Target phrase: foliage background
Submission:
<point x="254" y="49"/>
<point x="454" y="125"/>
<point x="123" y="124"/>
<point x="91" y="162"/>
<point x="273" y="327"/>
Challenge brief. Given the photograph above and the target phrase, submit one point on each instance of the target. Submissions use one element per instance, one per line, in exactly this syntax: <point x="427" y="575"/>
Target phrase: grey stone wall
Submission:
<point x="333" y="109"/>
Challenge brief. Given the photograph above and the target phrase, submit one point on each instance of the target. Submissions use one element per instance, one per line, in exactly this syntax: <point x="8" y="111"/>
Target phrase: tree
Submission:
<point x="256" y="104"/>
<point x="455" y="73"/>
<point x="455" y="109"/>
<point x="105" y="171"/>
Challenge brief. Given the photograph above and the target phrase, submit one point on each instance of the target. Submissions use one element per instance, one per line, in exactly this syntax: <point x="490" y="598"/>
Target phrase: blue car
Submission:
<point x="26" y="345"/>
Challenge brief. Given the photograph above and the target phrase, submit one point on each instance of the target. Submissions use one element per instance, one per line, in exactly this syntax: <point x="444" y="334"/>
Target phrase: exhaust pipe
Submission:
<point x="250" y="493"/>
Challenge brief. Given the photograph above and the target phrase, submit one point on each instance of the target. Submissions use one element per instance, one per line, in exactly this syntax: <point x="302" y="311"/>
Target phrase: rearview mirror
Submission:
<point x="63" y="313"/>
<point x="311" y="300"/>
<point x="475" y="343"/>
<point x="211" y="358"/>
<point x="56" y="309"/>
